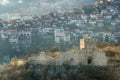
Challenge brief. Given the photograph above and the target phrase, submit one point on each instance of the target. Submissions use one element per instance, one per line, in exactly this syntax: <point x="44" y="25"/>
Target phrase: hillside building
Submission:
<point x="61" y="35"/>
<point x="87" y="54"/>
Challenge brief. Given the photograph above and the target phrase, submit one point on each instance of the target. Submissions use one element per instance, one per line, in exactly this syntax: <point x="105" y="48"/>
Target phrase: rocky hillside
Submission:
<point x="111" y="50"/>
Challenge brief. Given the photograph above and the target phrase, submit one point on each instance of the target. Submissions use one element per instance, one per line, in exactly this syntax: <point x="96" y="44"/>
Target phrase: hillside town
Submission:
<point x="79" y="44"/>
<point x="28" y="34"/>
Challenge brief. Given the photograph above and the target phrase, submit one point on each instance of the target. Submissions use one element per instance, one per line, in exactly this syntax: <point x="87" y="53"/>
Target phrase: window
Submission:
<point x="89" y="61"/>
<point x="71" y="60"/>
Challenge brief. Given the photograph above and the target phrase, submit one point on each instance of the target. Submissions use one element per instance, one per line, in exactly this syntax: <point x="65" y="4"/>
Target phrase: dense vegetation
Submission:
<point x="64" y="72"/>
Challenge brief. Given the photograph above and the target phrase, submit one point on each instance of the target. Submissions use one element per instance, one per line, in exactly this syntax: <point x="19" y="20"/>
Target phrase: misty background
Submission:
<point x="38" y="7"/>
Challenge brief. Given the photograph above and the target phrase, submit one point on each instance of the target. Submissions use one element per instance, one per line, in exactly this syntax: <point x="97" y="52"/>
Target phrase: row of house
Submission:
<point x="63" y="27"/>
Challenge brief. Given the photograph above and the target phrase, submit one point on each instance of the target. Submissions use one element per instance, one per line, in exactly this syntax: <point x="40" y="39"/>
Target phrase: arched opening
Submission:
<point x="89" y="60"/>
<point x="71" y="60"/>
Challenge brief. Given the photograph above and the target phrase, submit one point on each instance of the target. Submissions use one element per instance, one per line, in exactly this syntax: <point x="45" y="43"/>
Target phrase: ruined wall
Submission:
<point x="100" y="59"/>
<point x="87" y="56"/>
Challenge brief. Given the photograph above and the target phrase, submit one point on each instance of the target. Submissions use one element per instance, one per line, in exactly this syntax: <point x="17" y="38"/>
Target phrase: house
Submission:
<point x="109" y="37"/>
<point x="87" y="36"/>
<point x="41" y="59"/>
<point x="100" y="22"/>
<point x="98" y="16"/>
<point x="117" y="20"/>
<point x="18" y="62"/>
<point x="46" y="30"/>
<point x="61" y="35"/>
<point x="93" y="15"/>
<point x="108" y="16"/>
<point x="80" y="22"/>
<point x="113" y="22"/>
<point x="92" y="21"/>
<point x="84" y="16"/>
<point x="24" y="37"/>
<point x="13" y="41"/>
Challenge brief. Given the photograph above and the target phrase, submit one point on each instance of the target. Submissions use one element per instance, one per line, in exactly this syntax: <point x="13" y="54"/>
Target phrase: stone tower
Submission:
<point x="82" y="44"/>
<point x="87" y="44"/>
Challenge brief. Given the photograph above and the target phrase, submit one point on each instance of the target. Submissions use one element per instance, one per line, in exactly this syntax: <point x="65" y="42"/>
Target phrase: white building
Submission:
<point x="24" y="37"/>
<point x="46" y="30"/>
<point x="61" y="35"/>
<point x="109" y="36"/>
<point x="14" y="41"/>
